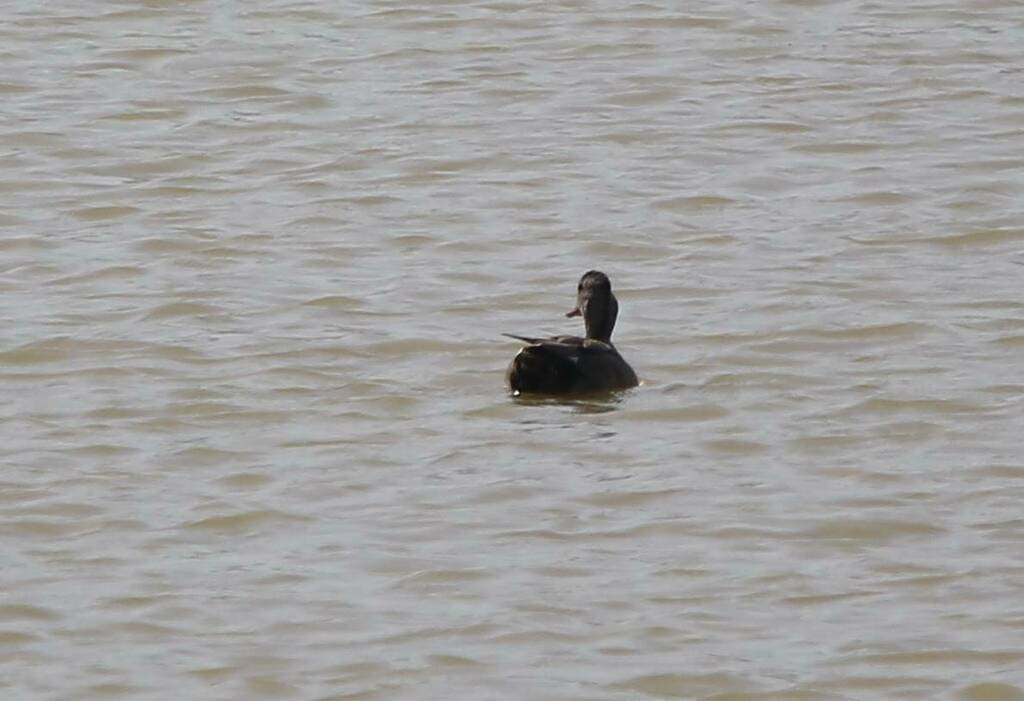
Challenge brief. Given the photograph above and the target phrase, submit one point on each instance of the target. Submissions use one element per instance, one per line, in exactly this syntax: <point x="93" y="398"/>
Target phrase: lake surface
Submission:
<point x="255" y="261"/>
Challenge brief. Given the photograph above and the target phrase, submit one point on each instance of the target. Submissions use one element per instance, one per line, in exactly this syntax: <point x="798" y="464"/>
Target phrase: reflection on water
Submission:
<point x="597" y="404"/>
<point x="254" y="260"/>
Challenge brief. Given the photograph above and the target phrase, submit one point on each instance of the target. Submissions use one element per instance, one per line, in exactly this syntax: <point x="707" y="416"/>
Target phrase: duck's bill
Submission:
<point x="574" y="312"/>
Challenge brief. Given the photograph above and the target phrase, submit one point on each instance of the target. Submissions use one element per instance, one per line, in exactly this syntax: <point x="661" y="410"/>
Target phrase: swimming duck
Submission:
<point x="570" y="364"/>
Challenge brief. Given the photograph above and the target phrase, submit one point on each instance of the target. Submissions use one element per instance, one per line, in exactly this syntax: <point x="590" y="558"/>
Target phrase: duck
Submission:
<point x="570" y="365"/>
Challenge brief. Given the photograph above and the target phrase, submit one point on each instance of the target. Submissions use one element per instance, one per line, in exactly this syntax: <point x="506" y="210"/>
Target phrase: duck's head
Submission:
<point x="598" y="306"/>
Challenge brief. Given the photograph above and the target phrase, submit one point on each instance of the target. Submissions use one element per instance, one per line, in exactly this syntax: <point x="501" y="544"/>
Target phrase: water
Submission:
<point x="255" y="262"/>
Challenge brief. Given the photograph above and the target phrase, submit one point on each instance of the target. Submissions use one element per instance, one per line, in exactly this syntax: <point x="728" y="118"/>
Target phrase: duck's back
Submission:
<point x="569" y="365"/>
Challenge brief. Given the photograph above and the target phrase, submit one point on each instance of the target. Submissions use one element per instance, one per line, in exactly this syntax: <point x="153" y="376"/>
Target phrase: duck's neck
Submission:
<point x="600" y="318"/>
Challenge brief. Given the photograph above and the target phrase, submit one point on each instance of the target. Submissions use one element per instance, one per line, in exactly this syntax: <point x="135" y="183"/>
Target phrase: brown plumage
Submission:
<point x="570" y="364"/>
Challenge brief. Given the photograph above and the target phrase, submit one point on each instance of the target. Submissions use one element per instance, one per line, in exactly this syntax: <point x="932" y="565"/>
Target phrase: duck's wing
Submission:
<point x="544" y="365"/>
<point x="567" y="340"/>
<point x="562" y="346"/>
<point x="524" y="339"/>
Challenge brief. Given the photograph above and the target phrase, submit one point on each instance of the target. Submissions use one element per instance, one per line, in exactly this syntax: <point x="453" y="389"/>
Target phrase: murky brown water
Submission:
<point x="255" y="259"/>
